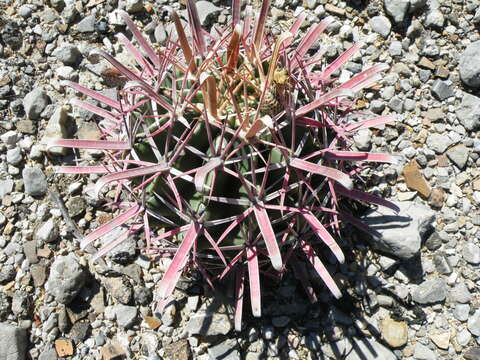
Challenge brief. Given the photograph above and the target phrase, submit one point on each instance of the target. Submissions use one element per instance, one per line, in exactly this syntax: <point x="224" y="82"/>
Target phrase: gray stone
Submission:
<point x="209" y="322"/>
<point x="160" y="34"/>
<point x="400" y="234"/>
<point x="471" y="253"/>
<point x="4" y="306"/>
<point x="435" y="19"/>
<point x="357" y="349"/>
<point x="472" y="353"/>
<point x="396" y="104"/>
<point x="87" y="24"/>
<point x="68" y="54"/>
<point x="35" y="102"/>
<point x="6" y="187"/>
<point x="25" y="11"/>
<point x="438" y="142"/>
<point x="76" y="206"/>
<point x="363" y="139"/>
<point x="7" y="274"/>
<point x="226" y="350"/>
<point x="119" y="288"/>
<point x="35" y="181"/>
<point x="134" y="6"/>
<point x="57" y="129"/>
<point x="9" y="138"/>
<point x="421" y="352"/>
<point x="397" y="9"/>
<point x="395" y="48"/>
<point x="67" y="73"/>
<point x="434" y="242"/>
<point x="381" y="25"/>
<point x="469" y="66"/>
<point x="14" y="156"/>
<point x="473" y="323"/>
<point x="458" y="155"/>
<point x="48" y="354"/>
<point x="461" y="312"/>
<point x="441" y="90"/>
<point x="468" y="112"/>
<point x="13" y="342"/>
<point x="48" y="232"/>
<point x="460" y="294"/>
<point x="463" y="338"/>
<point x="416" y="5"/>
<point x="66" y="278"/>
<point x="206" y="11"/>
<point x="441" y="264"/>
<point x="126" y="315"/>
<point x="430" y="292"/>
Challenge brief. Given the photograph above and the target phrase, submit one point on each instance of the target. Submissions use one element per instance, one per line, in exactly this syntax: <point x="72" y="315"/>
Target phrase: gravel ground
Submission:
<point x="413" y="294"/>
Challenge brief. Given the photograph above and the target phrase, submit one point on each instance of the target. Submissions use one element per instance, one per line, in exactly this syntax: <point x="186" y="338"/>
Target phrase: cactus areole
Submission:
<point x="231" y="151"/>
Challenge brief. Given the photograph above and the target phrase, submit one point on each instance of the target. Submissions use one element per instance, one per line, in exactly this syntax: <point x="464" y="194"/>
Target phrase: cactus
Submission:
<point x="232" y="152"/>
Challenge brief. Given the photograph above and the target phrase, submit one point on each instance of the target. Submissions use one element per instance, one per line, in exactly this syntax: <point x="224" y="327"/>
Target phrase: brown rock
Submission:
<point x="442" y="161"/>
<point x="64" y="347"/>
<point x="442" y="72"/>
<point x="435" y="114"/>
<point x="437" y="198"/>
<point x="152" y="322"/>
<point x="476" y="184"/>
<point x="415" y="180"/>
<point x="113" y="351"/>
<point x="334" y="9"/>
<point x="441" y="340"/>
<point x="427" y="64"/>
<point x="394" y="332"/>
<point x="179" y="350"/>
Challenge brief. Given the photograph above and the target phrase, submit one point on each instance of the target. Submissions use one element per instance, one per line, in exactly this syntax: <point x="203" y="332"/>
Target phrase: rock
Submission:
<point x="441" y="264"/>
<point x="461" y="312"/>
<point x="468" y="112"/>
<point x="437" y="198"/>
<point x="76" y="206"/>
<point x="35" y="102"/>
<point x="39" y="274"/>
<point x="381" y="25"/>
<point x="442" y="90"/>
<point x="68" y="54"/>
<point x="48" y="354"/>
<point x="357" y="349"/>
<point x="113" y="351"/>
<point x="126" y="315"/>
<point x="7" y="274"/>
<point x="435" y="19"/>
<point x="13" y="342"/>
<point x="67" y="73"/>
<point x="463" y="338"/>
<point x="435" y="114"/>
<point x="206" y="11"/>
<point x="363" y="139"/>
<point x="134" y="6"/>
<point x="9" y="138"/>
<point x="64" y="347"/>
<point x="415" y="180"/>
<point x="66" y="278"/>
<point x="124" y="252"/>
<point x="179" y="350"/>
<point x="471" y="253"/>
<point x="48" y="232"/>
<point x="438" y="143"/>
<point x="80" y="331"/>
<point x="119" y="288"/>
<point x="87" y="24"/>
<point x="397" y="9"/>
<point x="395" y="333"/>
<point x="472" y="353"/>
<point x="57" y="128"/>
<point x="6" y="187"/>
<point x="416" y="5"/>
<point x="14" y="156"/>
<point x="430" y="292"/>
<point x="209" y="322"/>
<point x="421" y="352"/>
<point x="401" y="235"/>
<point x="4" y="306"/>
<point x="469" y="67"/>
<point x="35" y="181"/>
<point x="442" y="340"/>
<point x="226" y="350"/>
<point x="458" y="155"/>
<point x="160" y="34"/>
<point x="473" y="323"/>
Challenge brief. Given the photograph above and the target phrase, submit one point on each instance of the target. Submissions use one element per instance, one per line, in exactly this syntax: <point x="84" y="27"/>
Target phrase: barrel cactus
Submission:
<point x="231" y="152"/>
